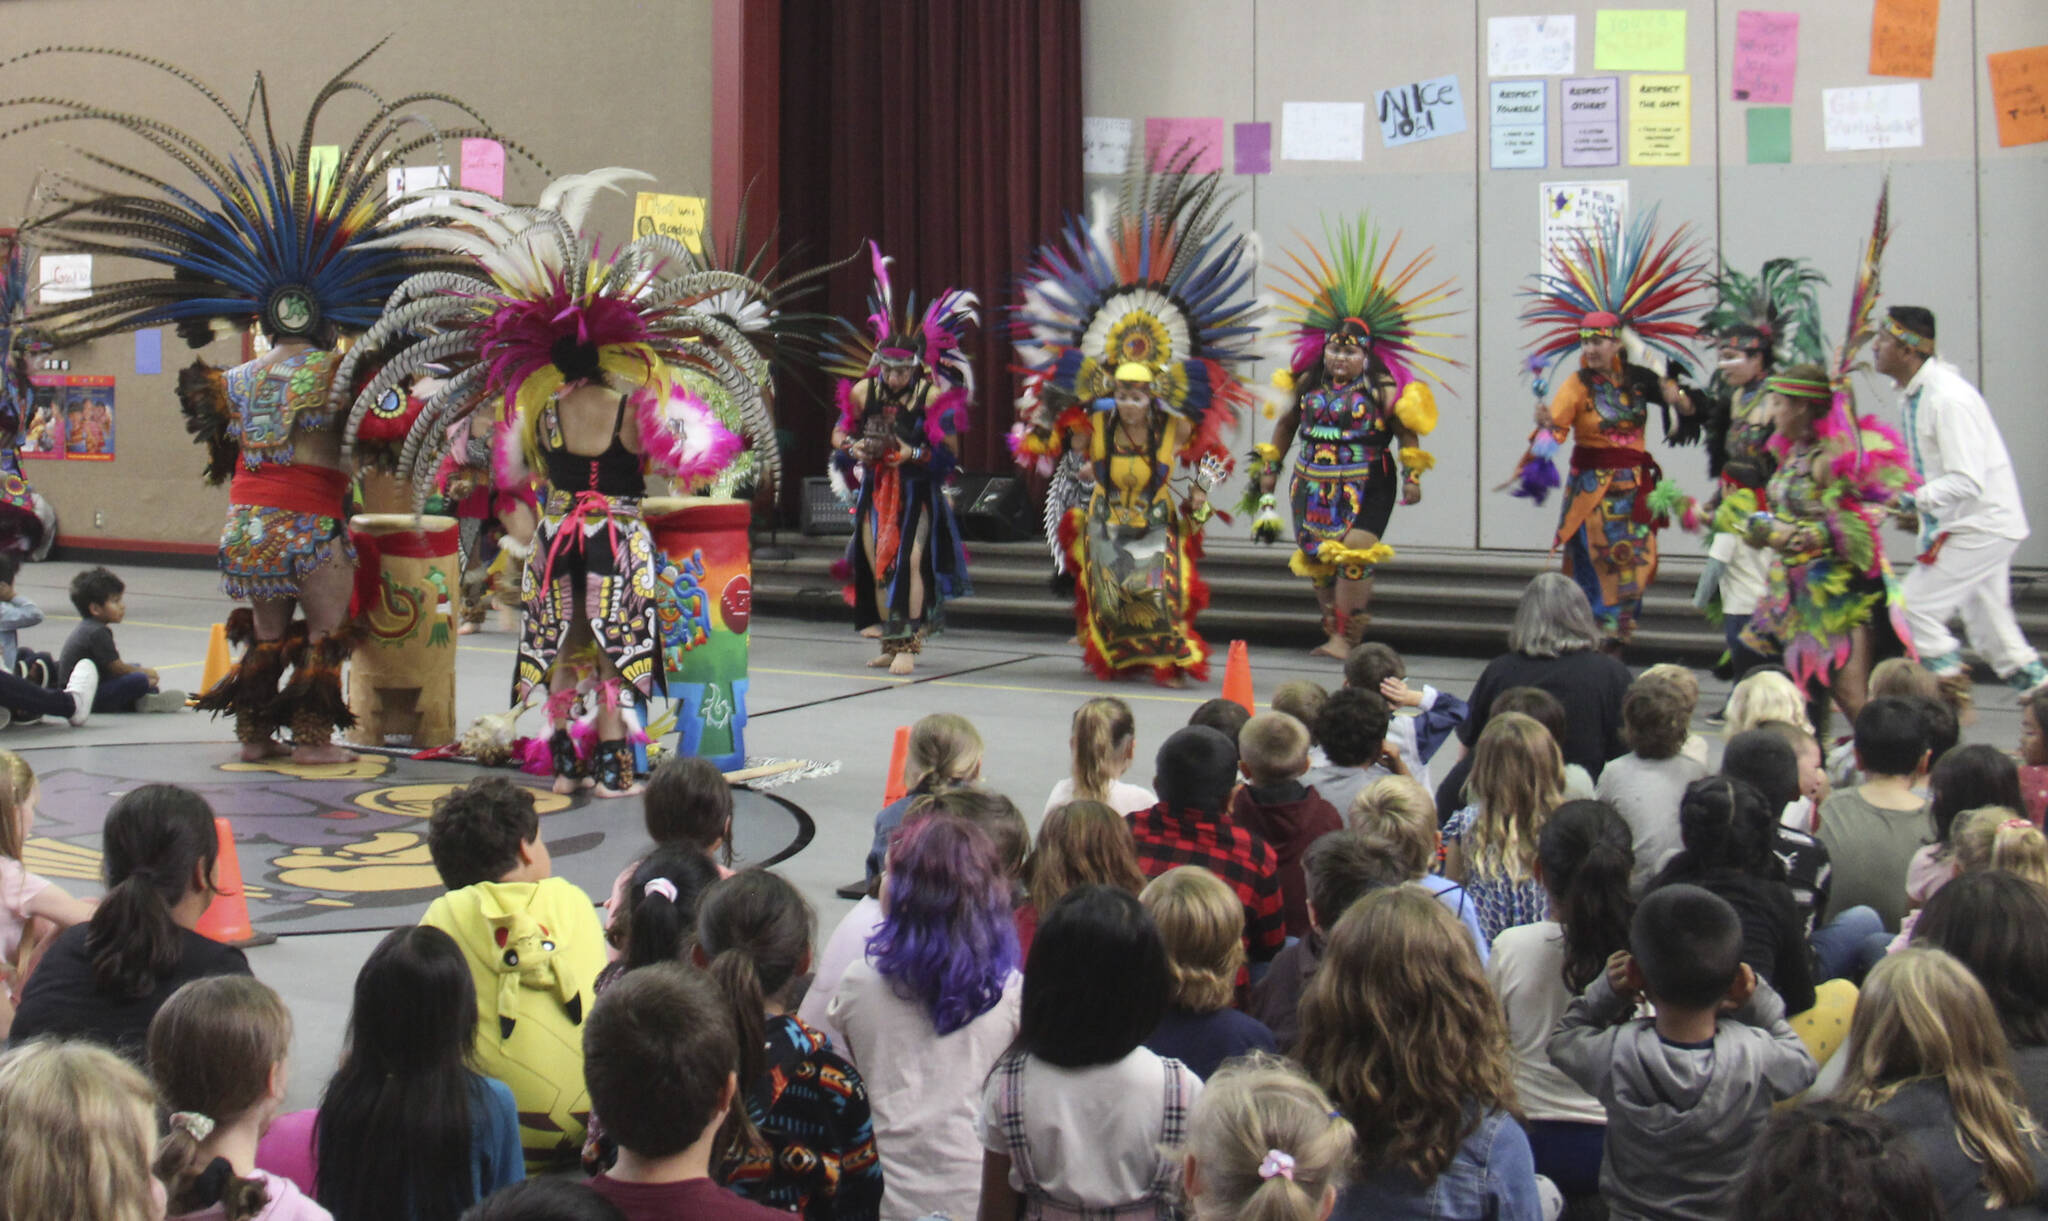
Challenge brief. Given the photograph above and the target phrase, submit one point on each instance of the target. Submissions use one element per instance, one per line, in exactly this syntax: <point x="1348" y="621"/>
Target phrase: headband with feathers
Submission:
<point x="1350" y="279"/>
<point x="1645" y="286"/>
<point x="935" y="340"/>
<point x="1778" y="302"/>
<point x="261" y="239"/>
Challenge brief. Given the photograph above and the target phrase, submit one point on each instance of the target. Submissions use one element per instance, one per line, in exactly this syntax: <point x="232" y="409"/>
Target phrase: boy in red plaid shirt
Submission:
<point x="1194" y="772"/>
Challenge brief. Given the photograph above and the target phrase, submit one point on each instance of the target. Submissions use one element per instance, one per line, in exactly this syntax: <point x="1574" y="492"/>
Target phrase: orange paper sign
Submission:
<point x="2019" y="95"/>
<point x="1902" y="37"/>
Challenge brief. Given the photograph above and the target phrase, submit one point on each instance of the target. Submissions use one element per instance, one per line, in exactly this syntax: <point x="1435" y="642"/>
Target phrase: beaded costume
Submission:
<point x="22" y="525"/>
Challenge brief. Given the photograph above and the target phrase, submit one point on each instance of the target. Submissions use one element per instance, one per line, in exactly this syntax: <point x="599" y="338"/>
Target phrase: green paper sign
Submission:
<point x="1770" y="135"/>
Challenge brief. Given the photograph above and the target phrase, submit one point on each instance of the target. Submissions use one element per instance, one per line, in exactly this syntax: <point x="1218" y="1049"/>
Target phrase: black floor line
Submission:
<point x="847" y="695"/>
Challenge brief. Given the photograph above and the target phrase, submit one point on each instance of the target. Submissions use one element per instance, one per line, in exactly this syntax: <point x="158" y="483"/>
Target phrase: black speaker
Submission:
<point x="994" y="508"/>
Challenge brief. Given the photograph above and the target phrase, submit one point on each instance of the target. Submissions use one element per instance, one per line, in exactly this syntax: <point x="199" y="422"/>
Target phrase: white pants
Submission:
<point x="1971" y="577"/>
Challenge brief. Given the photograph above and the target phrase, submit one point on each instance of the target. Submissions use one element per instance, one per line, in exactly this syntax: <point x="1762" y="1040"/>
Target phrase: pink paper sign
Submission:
<point x="1254" y="147"/>
<point x="483" y="167"/>
<point x="1170" y="138"/>
<point x="1766" y="57"/>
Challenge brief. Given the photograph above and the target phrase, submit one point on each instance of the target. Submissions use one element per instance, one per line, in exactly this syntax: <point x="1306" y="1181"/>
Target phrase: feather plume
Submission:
<point x="1353" y="276"/>
<point x="1648" y="283"/>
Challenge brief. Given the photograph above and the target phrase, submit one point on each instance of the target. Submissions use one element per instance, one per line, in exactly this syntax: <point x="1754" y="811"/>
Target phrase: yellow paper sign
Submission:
<point x="678" y="216"/>
<point x="1660" y="120"/>
<point x="1639" y="40"/>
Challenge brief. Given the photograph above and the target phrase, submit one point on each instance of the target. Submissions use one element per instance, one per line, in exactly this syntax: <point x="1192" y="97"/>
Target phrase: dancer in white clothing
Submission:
<point x="1967" y="512"/>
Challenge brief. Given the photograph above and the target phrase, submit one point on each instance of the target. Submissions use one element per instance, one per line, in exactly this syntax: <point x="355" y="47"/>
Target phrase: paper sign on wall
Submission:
<point x="405" y="179"/>
<point x="1902" y="37"/>
<point x="1516" y="124"/>
<point x="678" y="216"/>
<point x="1322" y="131"/>
<point x="149" y="351"/>
<point x="1421" y="111"/>
<point x="1169" y="140"/>
<point x="64" y="277"/>
<point x="2019" y="95"/>
<point x="1871" y="117"/>
<point x="483" y="167"/>
<point x="1252" y="148"/>
<point x="1770" y="135"/>
<point x="1589" y="115"/>
<point x="1766" y="57"/>
<point x="1531" y="46"/>
<point x="88" y="406"/>
<point x="1570" y="209"/>
<point x="1105" y="145"/>
<point x="1660" y="119"/>
<point x="1642" y="40"/>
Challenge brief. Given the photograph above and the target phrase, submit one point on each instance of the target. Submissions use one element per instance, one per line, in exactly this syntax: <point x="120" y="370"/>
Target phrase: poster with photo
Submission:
<point x="42" y="434"/>
<point x="89" y="418"/>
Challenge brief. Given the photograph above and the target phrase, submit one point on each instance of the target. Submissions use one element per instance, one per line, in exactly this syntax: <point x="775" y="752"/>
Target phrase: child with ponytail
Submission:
<point x="31" y="908"/>
<point x="1104" y="742"/>
<point x="815" y="1149"/>
<point x="105" y="979"/>
<point x="216" y="1051"/>
<point x="944" y="753"/>
<point x="1264" y="1144"/>
<point x="1584" y="856"/>
<point x="688" y="804"/>
<point x="1994" y="837"/>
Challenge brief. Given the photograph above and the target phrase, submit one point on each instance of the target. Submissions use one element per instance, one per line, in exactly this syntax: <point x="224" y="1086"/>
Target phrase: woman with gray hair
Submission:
<point x="1554" y="644"/>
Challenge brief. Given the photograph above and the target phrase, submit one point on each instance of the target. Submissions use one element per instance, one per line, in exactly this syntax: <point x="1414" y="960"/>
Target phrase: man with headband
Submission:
<point x="1967" y="512"/>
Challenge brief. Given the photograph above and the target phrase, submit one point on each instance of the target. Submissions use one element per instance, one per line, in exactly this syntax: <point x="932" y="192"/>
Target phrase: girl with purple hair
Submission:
<point x="930" y="1008"/>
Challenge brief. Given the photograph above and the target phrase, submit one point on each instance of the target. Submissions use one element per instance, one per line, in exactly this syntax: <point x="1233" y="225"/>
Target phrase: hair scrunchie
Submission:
<point x="660" y="886"/>
<point x="1277" y="1163"/>
<point x="192" y="1124"/>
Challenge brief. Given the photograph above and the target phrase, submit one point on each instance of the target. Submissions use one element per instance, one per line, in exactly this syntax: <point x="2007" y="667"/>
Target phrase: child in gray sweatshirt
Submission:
<point x="1688" y="1091"/>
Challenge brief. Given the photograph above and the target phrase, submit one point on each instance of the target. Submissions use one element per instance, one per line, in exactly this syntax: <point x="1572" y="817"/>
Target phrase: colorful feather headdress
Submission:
<point x="17" y="340"/>
<point x="1618" y="282"/>
<point x="1160" y="281"/>
<point x="1778" y="302"/>
<point x="1351" y="280"/>
<point x="935" y="338"/>
<point x="540" y="310"/>
<point x="265" y="237"/>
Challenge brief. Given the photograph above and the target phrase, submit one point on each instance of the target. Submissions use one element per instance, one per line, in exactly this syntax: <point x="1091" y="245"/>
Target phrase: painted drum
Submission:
<point x="707" y="598"/>
<point x="401" y="682"/>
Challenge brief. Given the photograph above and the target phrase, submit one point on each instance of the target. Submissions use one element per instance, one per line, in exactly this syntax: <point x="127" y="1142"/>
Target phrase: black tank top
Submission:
<point x="615" y="472"/>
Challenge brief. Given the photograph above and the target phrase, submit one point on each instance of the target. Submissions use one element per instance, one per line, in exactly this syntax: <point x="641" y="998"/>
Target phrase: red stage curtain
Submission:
<point x="949" y="131"/>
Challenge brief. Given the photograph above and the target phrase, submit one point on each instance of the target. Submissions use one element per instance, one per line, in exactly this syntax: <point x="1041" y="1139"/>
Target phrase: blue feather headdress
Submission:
<point x="1618" y="281"/>
<point x="263" y="237"/>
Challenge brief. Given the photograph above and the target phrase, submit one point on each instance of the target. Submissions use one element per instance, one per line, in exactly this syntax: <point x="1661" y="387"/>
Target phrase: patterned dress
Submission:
<point x="1345" y="478"/>
<point x="282" y="518"/>
<point x="1503" y="902"/>
<point x="812" y="1109"/>
<point x="1606" y="528"/>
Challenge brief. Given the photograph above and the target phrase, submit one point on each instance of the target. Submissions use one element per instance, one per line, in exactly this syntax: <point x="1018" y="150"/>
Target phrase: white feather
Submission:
<point x="572" y="194"/>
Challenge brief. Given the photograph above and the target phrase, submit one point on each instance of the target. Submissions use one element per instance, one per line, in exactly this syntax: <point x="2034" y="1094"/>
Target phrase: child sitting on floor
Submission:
<point x="1202" y="926"/>
<point x="688" y="802"/>
<point x="1303" y="700"/>
<point x="124" y="686"/>
<point x="1377" y="668"/>
<point x="1274" y="804"/>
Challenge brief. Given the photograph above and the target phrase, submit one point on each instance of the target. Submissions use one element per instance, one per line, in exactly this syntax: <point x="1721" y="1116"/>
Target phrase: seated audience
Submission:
<point x="1453" y="794"/>
<point x="1274" y="804"/>
<point x="1555" y="643"/>
<point x="1766" y="693"/>
<point x="1264" y="1145"/>
<point x="1078" y="1117"/>
<point x="1303" y="699"/>
<point x="944" y="753"/>
<point x="1644" y="785"/>
<point x="1377" y="668"/>
<point x="545" y="1200"/>
<point x="1822" y="1159"/>
<point x="1104" y="742"/>
<point x="1872" y="831"/>
<point x="1517" y="780"/>
<point x="1966" y="778"/>
<point x="1896" y="678"/>
<point x="1686" y="1092"/>
<point x="1994" y="837"/>
<point x="2033" y="755"/>
<point x="1079" y="843"/>
<point x="1996" y="924"/>
<point x="688" y="803"/>
<point x="1202" y="927"/>
<point x="656" y="916"/>
<point x="1688" y="684"/>
<point x="1814" y="786"/>
<point x="1195" y="772"/>
<point x="1396" y="809"/>
<point x="77" y="1135"/>
<point x="1226" y="717"/>
<point x="1342" y="868"/>
<point x="32" y="908"/>
<point x="1352" y="729"/>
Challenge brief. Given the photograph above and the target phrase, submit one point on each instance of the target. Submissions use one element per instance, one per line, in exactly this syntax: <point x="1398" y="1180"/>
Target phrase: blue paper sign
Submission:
<point x="1421" y="111"/>
<point x="149" y="351"/>
<point x="1517" y="126"/>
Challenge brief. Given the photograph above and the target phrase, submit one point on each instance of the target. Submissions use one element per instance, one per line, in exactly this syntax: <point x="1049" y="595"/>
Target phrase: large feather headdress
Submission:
<point x="1617" y="281"/>
<point x="1352" y="279"/>
<point x="541" y="309"/>
<point x="1779" y="303"/>
<point x="17" y="339"/>
<point x="934" y="338"/>
<point x="1161" y="280"/>
<point x="262" y="237"/>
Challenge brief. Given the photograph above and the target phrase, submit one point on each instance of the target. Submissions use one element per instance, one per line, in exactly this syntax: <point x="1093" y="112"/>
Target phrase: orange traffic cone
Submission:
<point x="1237" y="677"/>
<point x="894" y="789"/>
<point x="227" y="917"/>
<point x="218" y="660"/>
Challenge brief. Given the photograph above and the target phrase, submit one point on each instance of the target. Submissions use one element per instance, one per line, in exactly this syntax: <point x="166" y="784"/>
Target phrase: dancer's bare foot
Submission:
<point x="876" y="663"/>
<point x="903" y="663"/>
<point x="466" y="628"/>
<point x="268" y="748"/>
<point x="631" y="790"/>
<point x="565" y="786"/>
<point x="325" y="753"/>
<point x="872" y="631"/>
<point x="1333" y="647"/>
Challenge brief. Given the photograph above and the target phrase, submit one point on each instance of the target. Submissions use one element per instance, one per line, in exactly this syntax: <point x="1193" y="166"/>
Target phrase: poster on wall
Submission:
<point x="406" y="179"/>
<point x="1421" y="111"/>
<point x="1766" y="57"/>
<point x="1516" y="128"/>
<point x="43" y="436"/>
<point x="1871" y="117"/>
<point x="1199" y="142"/>
<point x="1531" y="46"/>
<point x="2019" y="94"/>
<point x="1660" y="119"/>
<point x="88" y="406"/>
<point x="64" y="277"/>
<point x="677" y="216"/>
<point x="1570" y="209"/>
<point x="1105" y="144"/>
<point x="1322" y="131"/>
<point x="1590" y="121"/>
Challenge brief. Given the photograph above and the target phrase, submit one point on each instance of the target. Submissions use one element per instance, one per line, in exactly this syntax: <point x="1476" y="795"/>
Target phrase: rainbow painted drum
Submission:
<point x="706" y="601"/>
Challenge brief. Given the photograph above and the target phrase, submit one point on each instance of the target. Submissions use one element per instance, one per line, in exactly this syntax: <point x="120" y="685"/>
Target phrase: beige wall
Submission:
<point x="633" y="87"/>
<point x="1966" y="212"/>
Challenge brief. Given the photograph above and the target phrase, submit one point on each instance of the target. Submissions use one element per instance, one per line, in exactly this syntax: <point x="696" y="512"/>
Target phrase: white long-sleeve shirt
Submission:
<point x="15" y="614"/>
<point x="1967" y="481"/>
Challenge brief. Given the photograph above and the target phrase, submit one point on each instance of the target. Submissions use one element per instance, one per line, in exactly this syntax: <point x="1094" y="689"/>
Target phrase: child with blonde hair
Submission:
<point x="1202" y="922"/>
<point x="1688" y="685"/>
<point x="1397" y="810"/>
<point x="1766" y="695"/>
<point x="944" y="753"/>
<point x="1303" y="699"/>
<point x="79" y="1133"/>
<point x="1104" y="741"/>
<point x="1264" y="1144"/>
<point x="1927" y="1052"/>
<point x="32" y="908"/>
<point x="1277" y="806"/>
<point x="1517" y="780"/>
<point x="1990" y="837"/>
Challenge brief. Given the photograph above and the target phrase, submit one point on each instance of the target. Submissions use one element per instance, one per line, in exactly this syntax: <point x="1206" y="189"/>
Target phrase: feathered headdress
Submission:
<point x="1617" y="282"/>
<point x="1160" y="281"/>
<point x="17" y="340"/>
<point x="1778" y="303"/>
<point x="541" y="310"/>
<point x="264" y="238"/>
<point x="934" y="341"/>
<point x="1353" y="283"/>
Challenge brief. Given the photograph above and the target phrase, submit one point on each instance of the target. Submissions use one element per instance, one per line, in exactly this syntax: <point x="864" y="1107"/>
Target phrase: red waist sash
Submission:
<point x="292" y="489"/>
<point x="1616" y="458"/>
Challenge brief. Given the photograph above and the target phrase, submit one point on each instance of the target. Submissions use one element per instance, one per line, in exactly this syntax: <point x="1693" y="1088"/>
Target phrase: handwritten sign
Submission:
<point x="408" y="179"/>
<point x="483" y="167"/>
<point x="1870" y="117"/>
<point x="1589" y="117"/>
<point x="1572" y="209"/>
<point x="1766" y="56"/>
<point x="1252" y="148"/>
<point x="1322" y="131"/>
<point x="1770" y="135"/>
<point x="1643" y="40"/>
<point x="1421" y="111"/>
<point x="1172" y="141"/>
<point x="1531" y="46"/>
<point x="1105" y="145"/>
<point x="678" y="216"/>
<point x="1516" y="125"/>
<point x="64" y="277"/>
<point x="1902" y="37"/>
<point x="1660" y="119"/>
<point x="2019" y="95"/>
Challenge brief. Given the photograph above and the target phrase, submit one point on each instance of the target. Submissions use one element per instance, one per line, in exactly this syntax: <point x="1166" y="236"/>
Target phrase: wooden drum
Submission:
<point x="707" y="598"/>
<point x="401" y="682"/>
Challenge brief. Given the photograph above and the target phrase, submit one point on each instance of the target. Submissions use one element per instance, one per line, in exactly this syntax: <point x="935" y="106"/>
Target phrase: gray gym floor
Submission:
<point x="812" y="698"/>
